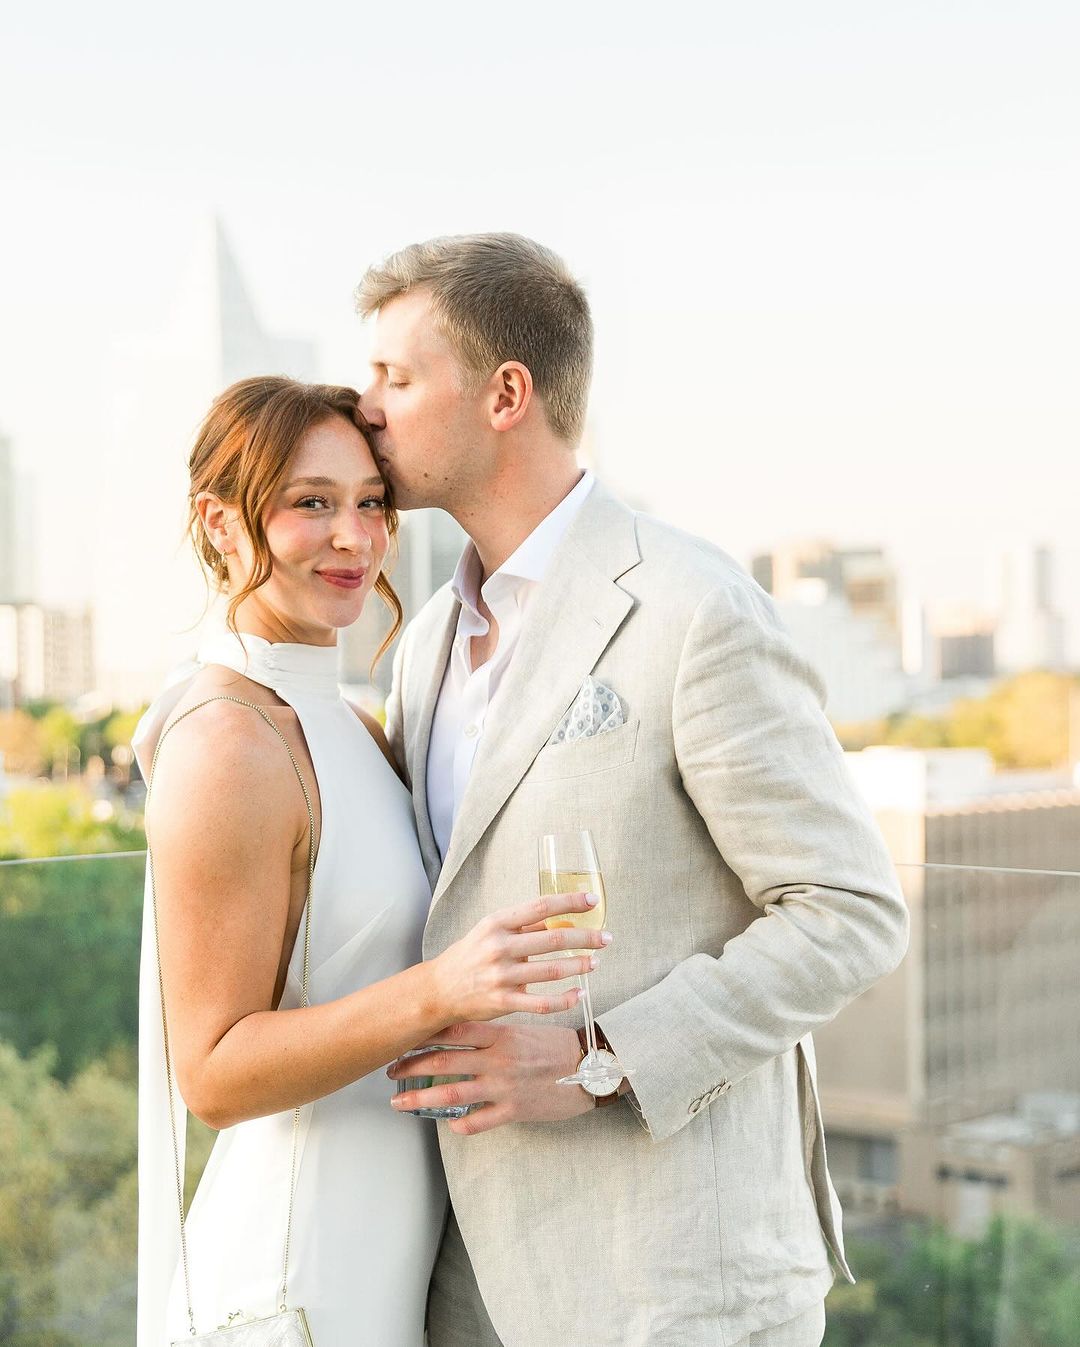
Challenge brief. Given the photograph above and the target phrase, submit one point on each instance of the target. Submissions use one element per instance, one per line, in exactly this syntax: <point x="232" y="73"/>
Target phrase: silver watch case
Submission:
<point x="601" y="1089"/>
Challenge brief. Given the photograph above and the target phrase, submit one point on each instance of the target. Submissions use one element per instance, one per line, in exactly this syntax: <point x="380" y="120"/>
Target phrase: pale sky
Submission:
<point x="831" y="248"/>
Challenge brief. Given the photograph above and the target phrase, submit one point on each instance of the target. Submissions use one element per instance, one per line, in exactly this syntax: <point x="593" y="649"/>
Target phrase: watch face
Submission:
<point x="602" y="1088"/>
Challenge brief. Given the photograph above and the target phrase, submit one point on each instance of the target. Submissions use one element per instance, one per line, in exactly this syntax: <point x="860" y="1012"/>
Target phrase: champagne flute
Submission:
<point x="567" y="863"/>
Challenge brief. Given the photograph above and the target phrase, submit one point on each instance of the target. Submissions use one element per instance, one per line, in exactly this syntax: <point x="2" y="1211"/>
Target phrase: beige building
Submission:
<point x="841" y="608"/>
<point x="954" y="1075"/>
<point x="45" y="654"/>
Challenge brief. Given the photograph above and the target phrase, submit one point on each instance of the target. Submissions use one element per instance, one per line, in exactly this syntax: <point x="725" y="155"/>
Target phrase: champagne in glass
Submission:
<point x="575" y="881"/>
<point x="567" y="863"/>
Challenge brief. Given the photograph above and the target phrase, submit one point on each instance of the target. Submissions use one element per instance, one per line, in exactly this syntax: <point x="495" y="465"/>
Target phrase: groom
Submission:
<point x="749" y="893"/>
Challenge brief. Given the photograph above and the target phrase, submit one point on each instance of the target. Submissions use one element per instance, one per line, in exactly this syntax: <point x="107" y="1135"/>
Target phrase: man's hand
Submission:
<point x="514" y="1070"/>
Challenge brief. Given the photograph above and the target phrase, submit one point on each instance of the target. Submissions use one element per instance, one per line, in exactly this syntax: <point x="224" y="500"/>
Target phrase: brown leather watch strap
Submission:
<point x="600" y="1100"/>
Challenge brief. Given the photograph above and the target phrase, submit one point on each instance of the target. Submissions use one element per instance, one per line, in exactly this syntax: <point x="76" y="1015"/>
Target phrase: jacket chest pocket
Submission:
<point x="583" y="757"/>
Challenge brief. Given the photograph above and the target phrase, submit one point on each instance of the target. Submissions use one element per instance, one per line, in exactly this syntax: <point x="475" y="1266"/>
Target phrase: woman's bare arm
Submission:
<point x="228" y="826"/>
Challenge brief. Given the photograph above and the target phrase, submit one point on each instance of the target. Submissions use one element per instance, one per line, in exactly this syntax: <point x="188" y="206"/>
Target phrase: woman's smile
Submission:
<point x="343" y="579"/>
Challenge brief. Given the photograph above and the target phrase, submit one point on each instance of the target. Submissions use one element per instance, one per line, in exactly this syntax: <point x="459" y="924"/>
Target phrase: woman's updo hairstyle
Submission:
<point x="241" y="454"/>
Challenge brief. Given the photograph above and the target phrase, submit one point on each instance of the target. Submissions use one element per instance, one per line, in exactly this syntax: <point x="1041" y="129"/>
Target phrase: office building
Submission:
<point x="46" y="654"/>
<point x="971" y="1043"/>
<point x="1030" y="629"/>
<point x="843" y="613"/>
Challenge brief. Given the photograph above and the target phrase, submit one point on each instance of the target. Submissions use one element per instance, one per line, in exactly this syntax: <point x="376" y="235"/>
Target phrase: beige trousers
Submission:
<point x="457" y="1318"/>
<point x="806" y="1330"/>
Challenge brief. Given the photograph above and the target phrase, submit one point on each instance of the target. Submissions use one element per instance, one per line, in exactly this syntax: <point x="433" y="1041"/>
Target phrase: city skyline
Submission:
<point x="830" y="253"/>
<point x="211" y="333"/>
<point x="850" y="610"/>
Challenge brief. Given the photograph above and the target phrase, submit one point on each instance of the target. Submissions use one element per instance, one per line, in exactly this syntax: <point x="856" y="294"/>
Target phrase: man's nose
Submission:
<point x="371" y="409"/>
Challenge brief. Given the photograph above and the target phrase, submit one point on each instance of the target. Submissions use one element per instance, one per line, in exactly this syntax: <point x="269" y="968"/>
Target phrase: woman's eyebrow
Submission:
<point x="376" y="480"/>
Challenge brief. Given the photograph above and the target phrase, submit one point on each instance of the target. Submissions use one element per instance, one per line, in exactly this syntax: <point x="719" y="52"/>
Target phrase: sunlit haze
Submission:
<point x="831" y="248"/>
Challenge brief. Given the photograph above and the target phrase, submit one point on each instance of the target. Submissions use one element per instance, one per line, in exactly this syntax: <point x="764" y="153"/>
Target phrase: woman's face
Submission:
<point x="327" y="532"/>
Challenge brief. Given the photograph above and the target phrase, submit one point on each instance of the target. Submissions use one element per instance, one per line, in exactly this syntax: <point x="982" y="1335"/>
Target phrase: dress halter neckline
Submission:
<point x="307" y="670"/>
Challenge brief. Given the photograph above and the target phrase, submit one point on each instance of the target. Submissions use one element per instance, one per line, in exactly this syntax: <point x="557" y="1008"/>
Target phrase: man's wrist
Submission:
<point x="600" y="1100"/>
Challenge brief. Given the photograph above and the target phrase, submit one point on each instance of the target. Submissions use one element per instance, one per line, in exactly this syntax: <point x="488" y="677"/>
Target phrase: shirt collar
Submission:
<point x="531" y="559"/>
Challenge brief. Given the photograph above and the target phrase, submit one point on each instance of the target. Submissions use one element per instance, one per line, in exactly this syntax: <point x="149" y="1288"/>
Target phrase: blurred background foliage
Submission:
<point x="1023" y="722"/>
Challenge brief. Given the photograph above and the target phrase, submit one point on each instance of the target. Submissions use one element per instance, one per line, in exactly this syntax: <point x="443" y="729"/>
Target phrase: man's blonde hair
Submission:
<point x="499" y="297"/>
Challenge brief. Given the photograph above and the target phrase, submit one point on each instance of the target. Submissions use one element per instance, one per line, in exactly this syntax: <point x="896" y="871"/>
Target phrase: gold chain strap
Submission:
<point x="164" y="1021"/>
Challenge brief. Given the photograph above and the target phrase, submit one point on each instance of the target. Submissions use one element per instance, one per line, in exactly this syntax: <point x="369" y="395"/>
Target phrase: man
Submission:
<point x="750" y="894"/>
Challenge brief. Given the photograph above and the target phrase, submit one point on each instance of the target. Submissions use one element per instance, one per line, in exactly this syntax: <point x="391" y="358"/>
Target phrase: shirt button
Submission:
<point x="471" y="731"/>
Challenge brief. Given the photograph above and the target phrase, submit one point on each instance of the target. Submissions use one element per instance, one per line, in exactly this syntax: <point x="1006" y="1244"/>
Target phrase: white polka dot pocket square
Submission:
<point x="596" y="710"/>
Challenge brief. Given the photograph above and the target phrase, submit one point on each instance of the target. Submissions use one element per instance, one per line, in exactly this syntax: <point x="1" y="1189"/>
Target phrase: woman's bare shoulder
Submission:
<point x="215" y="680"/>
<point x="221" y="748"/>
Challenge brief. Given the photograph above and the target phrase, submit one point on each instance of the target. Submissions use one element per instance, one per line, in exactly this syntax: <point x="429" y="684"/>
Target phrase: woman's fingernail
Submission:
<point x="606" y="937"/>
<point x="594" y="963"/>
<point x="592" y="899"/>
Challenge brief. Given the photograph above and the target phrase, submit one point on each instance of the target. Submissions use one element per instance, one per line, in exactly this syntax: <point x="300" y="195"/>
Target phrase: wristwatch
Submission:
<point x="601" y="1094"/>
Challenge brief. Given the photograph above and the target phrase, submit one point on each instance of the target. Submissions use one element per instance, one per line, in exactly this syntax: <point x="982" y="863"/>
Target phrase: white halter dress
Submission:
<point x="370" y="1196"/>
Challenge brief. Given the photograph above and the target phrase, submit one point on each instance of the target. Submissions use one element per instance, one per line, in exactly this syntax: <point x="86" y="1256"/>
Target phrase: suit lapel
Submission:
<point x="427" y="677"/>
<point x="571" y="620"/>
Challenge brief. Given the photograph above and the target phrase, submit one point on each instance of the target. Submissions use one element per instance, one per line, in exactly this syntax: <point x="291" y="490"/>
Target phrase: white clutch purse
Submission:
<point x="287" y="1329"/>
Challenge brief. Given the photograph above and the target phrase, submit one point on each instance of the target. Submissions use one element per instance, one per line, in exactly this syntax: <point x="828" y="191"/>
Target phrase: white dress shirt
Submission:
<point x="466" y="695"/>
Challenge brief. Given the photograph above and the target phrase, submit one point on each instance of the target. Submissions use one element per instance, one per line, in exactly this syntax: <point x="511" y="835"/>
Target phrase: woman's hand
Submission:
<point x="485" y="974"/>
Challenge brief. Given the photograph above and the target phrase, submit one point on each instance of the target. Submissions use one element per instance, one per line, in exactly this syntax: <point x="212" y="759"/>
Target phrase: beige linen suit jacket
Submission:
<point x="751" y="897"/>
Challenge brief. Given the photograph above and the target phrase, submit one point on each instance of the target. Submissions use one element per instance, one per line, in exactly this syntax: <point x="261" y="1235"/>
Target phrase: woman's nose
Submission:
<point x="353" y="536"/>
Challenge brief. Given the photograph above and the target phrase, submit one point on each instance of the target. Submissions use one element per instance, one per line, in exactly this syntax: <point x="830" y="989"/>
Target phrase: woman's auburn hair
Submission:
<point x="241" y="454"/>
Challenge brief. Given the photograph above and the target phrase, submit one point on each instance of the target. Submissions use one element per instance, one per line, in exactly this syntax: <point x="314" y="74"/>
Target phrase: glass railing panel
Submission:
<point x="951" y="1095"/>
<point x="951" y="1092"/>
<point x="70" y="932"/>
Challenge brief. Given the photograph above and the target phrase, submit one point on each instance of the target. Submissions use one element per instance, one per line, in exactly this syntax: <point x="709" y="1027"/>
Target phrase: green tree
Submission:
<point x="21" y="743"/>
<point x="120" y="727"/>
<point x="69" y="957"/>
<point x="1023" y="722"/>
<point x="67" y="1206"/>
<point x="33" y="1182"/>
<point x="117" y="735"/>
<point x="1018" y="1286"/>
<point x="63" y="820"/>
<point x="59" y="732"/>
<point x="68" y="1202"/>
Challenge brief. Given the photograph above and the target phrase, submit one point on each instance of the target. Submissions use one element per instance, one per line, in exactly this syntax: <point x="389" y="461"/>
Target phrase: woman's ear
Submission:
<point x="214" y="518"/>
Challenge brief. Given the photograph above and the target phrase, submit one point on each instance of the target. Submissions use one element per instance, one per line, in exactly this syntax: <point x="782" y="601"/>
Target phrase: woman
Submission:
<point x="291" y="517"/>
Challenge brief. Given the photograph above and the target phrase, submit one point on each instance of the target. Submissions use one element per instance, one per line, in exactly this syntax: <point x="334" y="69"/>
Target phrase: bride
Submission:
<point x="290" y="516"/>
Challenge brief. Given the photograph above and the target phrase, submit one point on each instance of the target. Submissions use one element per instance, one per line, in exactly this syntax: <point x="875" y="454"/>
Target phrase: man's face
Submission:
<point x="428" y="435"/>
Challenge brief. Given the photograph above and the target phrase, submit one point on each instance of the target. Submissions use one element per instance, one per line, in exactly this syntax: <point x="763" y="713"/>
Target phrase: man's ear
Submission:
<point x="511" y="388"/>
<point x="215" y="519"/>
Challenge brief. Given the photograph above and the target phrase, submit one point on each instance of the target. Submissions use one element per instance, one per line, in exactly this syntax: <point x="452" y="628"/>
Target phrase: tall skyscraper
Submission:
<point x="148" y="592"/>
<point x="7" y="521"/>
<point x="16" y="528"/>
<point x="1030" y="630"/>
